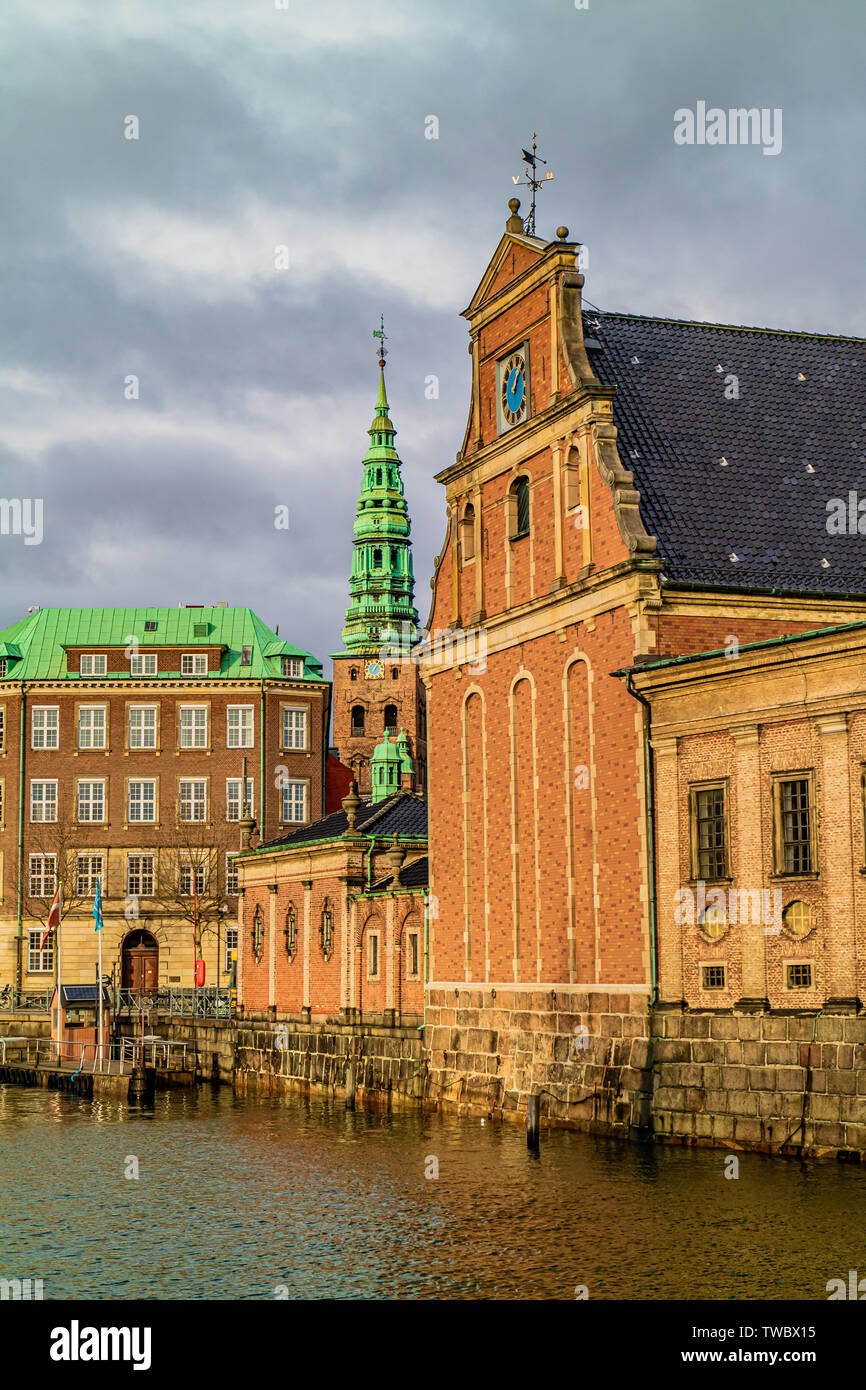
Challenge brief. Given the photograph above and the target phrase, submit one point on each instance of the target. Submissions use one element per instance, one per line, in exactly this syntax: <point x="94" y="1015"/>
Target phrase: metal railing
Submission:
<point x="116" y="1058"/>
<point x="13" y="1001"/>
<point x="155" y="1052"/>
<point x="208" y="1002"/>
<point x="87" y="1056"/>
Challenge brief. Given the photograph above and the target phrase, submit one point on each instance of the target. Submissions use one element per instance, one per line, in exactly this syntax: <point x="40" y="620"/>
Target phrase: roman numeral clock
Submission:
<point x="512" y="395"/>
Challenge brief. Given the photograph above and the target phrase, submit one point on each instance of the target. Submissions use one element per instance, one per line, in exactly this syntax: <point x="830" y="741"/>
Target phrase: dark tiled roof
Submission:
<point x="404" y="813"/>
<point x="802" y="401"/>
<point x="414" y="875"/>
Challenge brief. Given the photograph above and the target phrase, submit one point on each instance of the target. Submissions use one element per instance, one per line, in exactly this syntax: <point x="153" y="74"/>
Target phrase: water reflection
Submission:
<point x="238" y="1197"/>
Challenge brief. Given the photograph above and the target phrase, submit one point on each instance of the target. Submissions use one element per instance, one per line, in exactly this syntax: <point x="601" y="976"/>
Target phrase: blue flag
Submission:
<point x="97" y="906"/>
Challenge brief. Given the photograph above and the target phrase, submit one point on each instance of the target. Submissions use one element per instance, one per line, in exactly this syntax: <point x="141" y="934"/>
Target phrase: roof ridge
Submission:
<point x="727" y="327"/>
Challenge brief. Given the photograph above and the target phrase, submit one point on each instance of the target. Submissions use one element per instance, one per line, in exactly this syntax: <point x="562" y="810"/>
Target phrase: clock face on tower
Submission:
<point x="374" y="670"/>
<point x="512" y="406"/>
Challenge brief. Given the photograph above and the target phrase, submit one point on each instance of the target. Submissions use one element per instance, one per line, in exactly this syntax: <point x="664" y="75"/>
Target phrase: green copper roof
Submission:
<point x="381" y="607"/>
<point x="41" y="639"/>
<point x="389" y="760"/>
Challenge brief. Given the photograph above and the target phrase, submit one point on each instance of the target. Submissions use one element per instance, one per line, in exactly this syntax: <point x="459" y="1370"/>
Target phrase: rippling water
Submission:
<point x="238" y="1196"/>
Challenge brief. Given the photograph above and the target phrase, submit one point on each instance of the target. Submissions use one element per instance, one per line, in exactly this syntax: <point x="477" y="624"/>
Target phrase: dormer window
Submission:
<point x="150" y="625"/>
<point x="246" y="656"/>
<point x="3" y="665"/>
<point x="144" y="664"/>
<point x="92" y="664"/>
<point x="193" y="664"/>
<point x="293" y="666"/>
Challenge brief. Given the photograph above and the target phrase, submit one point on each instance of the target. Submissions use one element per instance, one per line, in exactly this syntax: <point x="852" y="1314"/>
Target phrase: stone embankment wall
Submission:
<point x="606" y="1063"/>
<point x="272" y="1056"/>
<point x="788" y="1083"/>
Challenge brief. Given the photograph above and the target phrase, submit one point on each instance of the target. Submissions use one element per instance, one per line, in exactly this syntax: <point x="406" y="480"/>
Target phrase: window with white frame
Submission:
<point x="91" y="726"/>
<point x="193" y="726"/>
<point x="142" y="726"/>
<point x="192" y="799"/>
<point x="294" y="726"/>
<point x="294" y="801"/>
<point x="234" y="798"/>
<point x="88" y="869"/>
<point x="2" y="801"/>
<point x="193" y="664"/>
<point x="2" y="726"/>
<point x="239" y="727"/>
<point x="43" y="801"/>
<point x="92" y="664"/>
<point x="45" y="726"/>
<point x="192" y="878"/>
<point x="293" y="666"/>
<point x="39" y="961"/>
<point x="231" y="945"/>
<point x="141" y="801"/>
<point x="144" y="664"/>
<point x="42" y="875"/>
<point x="139" y="875"/>
<point x="231" y="876"/>
<point x="91" y="801"/>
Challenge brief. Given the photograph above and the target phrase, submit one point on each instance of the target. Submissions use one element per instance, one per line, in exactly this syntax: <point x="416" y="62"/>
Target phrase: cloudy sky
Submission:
<point x="261" y="126"/>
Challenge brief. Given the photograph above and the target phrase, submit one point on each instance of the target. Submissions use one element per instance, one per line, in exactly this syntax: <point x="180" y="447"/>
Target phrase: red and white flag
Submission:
<point x="53" y="919"/>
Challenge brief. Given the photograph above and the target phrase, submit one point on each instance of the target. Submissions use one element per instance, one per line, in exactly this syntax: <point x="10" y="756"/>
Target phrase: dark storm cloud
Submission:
<point x="305" y="127"/>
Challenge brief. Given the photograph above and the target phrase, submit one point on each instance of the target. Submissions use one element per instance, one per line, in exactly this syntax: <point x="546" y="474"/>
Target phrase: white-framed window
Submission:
<point x="43" y="801"/>
<point x="42" y="875"/>
<point x="39" y="962"/>
<point x="239" y="726"/>
<point x="293" y="666"/>
<point x="92" y="664"/>
<point x="2" y="801"/>
<point x="373" y="956"/>
<point x="231" y="945"/>
<point x="294" y="726"/>
<point x="91" y="726"/>
<point x="193" y="726"/>
<point x="234" y="799"/>
<point x="2" y="726"/>
<point x="88" y="868"/>
<point x="190" y="872"/>
<point x="193" y="664"/>
<point x="141" y="801"/>
<point x="294" y="801"/>
<point x="4" y="665"/>
<point x="192" y="798"/>
<point x="91" y="801"/>
<point x="142" y="726"/>
<point x="139" y="875"/>
<point x="144" y="664"/>
<point x="231" y="876"/>
<point x="45" y="726"/>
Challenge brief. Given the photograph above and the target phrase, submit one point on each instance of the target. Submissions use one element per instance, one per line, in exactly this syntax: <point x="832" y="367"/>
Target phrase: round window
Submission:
<point x="798" y="918"/>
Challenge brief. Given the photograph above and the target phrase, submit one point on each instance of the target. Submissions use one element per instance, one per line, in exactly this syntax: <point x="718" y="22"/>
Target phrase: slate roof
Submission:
<point x="403" y="814"/>
<point x="41" y="637"/>
<point x="802" y="401"/>
<point x="414" y="875"/>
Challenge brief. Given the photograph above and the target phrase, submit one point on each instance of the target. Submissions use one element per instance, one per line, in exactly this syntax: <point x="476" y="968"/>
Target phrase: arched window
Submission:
<point x="357" y="720"/>
<point x="377" y="559"/>
<point x="378" y="477"/>
<point x="353" y="673"/>
<point x="326" y="929"/>
<point x="395" y="673"/>
<point x="394" y="557"/>
<point x="258" y="934"/>
<point x="467" y="534"/>
<point x="390" y="719"/>
<point x="518" y="508"/>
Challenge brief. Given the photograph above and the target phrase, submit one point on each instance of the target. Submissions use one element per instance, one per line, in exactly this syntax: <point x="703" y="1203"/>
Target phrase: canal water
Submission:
<point x="249" y="1198"/>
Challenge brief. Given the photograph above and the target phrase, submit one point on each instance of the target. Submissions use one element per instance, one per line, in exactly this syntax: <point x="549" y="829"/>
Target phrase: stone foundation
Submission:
<point x="272" y="1056"/>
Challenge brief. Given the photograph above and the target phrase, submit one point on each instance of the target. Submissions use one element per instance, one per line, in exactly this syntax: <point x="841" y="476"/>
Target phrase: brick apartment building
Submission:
<point x="124" y="737"/>
<point x="628" y="489"/>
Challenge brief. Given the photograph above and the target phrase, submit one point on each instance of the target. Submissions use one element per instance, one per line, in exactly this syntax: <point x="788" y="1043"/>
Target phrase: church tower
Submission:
<point x="377" y="689"/>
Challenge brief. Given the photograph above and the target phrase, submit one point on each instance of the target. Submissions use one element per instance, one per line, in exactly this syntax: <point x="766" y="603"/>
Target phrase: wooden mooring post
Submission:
<point x="533" y="1122"/>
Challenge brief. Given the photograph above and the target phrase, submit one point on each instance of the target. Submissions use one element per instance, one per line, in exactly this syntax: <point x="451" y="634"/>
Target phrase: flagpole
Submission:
<point x="59" y="977"/>
<point x="97" y="917"/>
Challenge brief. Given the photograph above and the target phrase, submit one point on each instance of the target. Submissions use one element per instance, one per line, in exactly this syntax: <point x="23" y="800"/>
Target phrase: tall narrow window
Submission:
<point x="377" y="559"/>
<point x="91" y="726"/>
<point x="794" y="826"/>
<point x="44" y="727"/>
<point x="390" y="719"/>
<point x="519" y="508"/>
<point x="294" y="726"/>
<point x="357" y="721"/>
<point x="467" y="534"/>
<point x="709" y="833"/>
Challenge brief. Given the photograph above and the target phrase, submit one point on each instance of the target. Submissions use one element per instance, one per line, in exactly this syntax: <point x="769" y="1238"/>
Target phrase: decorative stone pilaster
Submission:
<point x="669" y="878"/>
<point x="749" y="868"/>
<point x="837" y="851"/>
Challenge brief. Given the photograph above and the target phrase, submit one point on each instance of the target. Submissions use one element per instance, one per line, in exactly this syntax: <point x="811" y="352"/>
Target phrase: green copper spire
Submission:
<point x="381" y="609"/>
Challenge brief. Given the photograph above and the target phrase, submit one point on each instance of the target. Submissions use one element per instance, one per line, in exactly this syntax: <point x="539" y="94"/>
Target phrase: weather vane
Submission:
<point x="381" y="335"/>
<point x="532" y="181"/>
